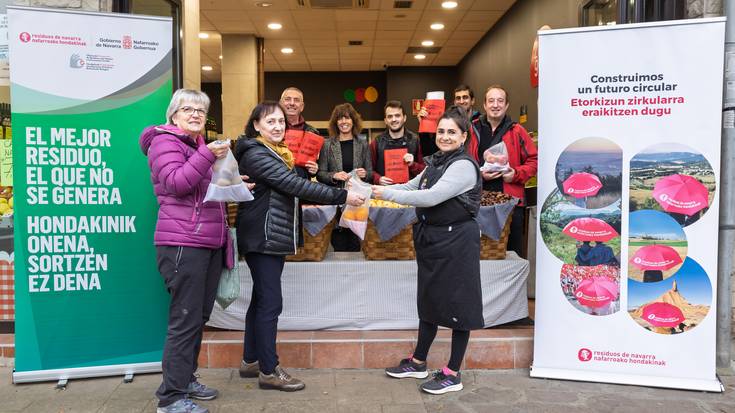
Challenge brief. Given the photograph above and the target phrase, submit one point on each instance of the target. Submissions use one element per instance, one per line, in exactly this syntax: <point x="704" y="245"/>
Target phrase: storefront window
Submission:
<point x="605" y="12"/>
<point x="167" y="8"/>
<point x="598" y="12"/>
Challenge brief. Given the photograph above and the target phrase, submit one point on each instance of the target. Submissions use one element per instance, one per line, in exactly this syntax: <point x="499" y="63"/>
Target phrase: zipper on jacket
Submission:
<point x="295" y="224"/>
<point x="223" y="235"/>
<point x="197" y="211"/>
<point x="265" y="225"/>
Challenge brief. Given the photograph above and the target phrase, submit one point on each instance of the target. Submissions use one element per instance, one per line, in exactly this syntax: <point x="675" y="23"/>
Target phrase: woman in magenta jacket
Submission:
<point x="189" y="238"/>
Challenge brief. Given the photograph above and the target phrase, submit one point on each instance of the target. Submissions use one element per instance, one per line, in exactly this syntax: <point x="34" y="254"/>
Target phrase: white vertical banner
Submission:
<point x="629" y="160"/>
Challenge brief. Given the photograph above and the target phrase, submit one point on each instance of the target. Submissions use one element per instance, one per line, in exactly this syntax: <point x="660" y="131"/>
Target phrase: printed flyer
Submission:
<point x="89" y="299"/>
<point x="627" y="258"/>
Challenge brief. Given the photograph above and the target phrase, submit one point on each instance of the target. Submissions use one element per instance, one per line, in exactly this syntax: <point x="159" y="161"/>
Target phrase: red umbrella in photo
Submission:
<point x="596" y="292"/>
<point x="590" y="229"/>
<point x="663" y="315"/>
<point x="656" y="257"/>
<point x="683" y="194"/>
<point x="582" y="185"/>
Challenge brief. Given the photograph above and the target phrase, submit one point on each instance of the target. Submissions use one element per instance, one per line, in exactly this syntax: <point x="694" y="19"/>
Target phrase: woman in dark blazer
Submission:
<point x="344" y="151"/>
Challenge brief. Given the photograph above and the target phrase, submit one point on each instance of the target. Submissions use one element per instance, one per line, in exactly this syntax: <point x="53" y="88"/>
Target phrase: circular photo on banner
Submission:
<point x="657" y="246"/>
<point x="675" y="305"/>
<point x="672" y="178"/>
<point x="593" y="290"/>
<point x="578" y="236"/>
<point x="589" y="173"/>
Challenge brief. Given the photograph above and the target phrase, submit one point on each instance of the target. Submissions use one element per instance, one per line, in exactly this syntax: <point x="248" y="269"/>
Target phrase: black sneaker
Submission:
<point x="407" y="368"/>
<point x="443" y="383"/>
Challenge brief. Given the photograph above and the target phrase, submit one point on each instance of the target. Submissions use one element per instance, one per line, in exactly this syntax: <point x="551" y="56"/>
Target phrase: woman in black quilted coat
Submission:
<point x="267" y="231"/>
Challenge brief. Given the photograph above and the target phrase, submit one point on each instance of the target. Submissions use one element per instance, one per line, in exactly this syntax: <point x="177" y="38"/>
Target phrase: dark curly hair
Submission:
<point x="345" y="110"/>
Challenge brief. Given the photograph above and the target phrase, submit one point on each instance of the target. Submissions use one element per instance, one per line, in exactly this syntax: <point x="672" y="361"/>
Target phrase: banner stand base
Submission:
<point x="126" y="370"/>
<point x="714" y="385"/>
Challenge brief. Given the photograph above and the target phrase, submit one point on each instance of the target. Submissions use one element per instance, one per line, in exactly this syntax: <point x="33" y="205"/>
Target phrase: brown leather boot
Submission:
<point x="249" y="369"/>
<point x="280" y="380"/>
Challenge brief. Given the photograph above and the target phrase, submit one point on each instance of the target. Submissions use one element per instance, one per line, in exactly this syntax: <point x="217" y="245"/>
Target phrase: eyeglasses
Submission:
<point x="188" y="111"/>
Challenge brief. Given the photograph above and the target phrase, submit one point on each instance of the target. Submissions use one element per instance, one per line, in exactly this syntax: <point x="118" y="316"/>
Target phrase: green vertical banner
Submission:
<point x="89" y="300"/>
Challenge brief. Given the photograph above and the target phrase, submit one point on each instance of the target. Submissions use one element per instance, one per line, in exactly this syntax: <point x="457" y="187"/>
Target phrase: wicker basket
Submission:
<point x="399" y="247"/>
<point x="231" y="213"/>
<point x="315" y="247"/>
<point x="491" y="249"/>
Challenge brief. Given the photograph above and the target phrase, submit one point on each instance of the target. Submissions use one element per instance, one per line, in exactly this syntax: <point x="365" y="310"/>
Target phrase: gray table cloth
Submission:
<point x="317" y="217"/>
<point x="346" y="292"/>
<point x="492" y="218"/>
<point x="389" y="222"/>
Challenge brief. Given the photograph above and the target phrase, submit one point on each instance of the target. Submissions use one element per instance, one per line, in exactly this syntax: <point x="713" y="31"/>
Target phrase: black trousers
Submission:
<point x="266" y="304"/>
<point x="427" y="333"/>
<point x="517" y="229"/>
<point x="191" y="276"/>
<point x="343" y="239"/>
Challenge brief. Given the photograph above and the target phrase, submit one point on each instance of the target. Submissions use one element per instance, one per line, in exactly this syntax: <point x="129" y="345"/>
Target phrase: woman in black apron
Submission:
<point x="447" y="241"/>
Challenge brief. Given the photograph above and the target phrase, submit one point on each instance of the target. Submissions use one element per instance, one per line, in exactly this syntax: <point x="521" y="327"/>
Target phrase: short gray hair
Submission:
<point x="292" y="89"/>
<point x="183" y="96"/>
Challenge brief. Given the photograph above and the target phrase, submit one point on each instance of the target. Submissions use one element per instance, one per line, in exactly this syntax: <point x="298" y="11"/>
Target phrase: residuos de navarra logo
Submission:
<point x="25" y="37"/>
<point x="584" y="354"/>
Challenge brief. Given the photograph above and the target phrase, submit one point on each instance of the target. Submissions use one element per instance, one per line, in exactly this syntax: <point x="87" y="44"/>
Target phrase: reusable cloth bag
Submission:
<point x="229" y="282"/>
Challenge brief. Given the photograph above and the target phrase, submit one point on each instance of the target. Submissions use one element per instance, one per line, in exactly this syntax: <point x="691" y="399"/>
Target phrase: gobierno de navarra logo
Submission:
<point x="584" y="354"/>
<point x="75" y="61"/>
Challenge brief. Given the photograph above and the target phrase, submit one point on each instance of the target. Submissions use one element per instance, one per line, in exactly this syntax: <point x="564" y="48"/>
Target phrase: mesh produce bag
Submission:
<point x="496" y="159"/>
<point x="226" y="185"/>
<point x="355" y="217"/>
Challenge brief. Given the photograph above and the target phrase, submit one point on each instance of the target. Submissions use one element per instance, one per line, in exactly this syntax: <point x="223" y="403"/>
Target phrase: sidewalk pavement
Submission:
<point x="363" y="391"/>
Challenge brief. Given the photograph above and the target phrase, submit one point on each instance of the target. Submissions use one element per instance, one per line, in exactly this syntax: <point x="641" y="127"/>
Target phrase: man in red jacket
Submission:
<point x="292" y="100"/>
<point x="496" y="128"/>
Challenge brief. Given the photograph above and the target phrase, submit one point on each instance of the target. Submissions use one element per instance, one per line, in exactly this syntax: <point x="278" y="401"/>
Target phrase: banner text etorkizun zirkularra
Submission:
<point x="629" y="161"/>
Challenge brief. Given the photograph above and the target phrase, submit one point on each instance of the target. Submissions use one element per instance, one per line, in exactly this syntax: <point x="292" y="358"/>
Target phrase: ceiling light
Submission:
<point x="449" y="4"/>
<point x="275" y="26"/>
<point x="207" y="68"/>
<point x="427" y="43"/>
<point x="419" y="57"/>
<point x="220" y="57"/>
<point x="437" y="26"/>
<point x="203" y="35"/>
<point x="287" y="50"/>
<point x="263" y="4"/>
